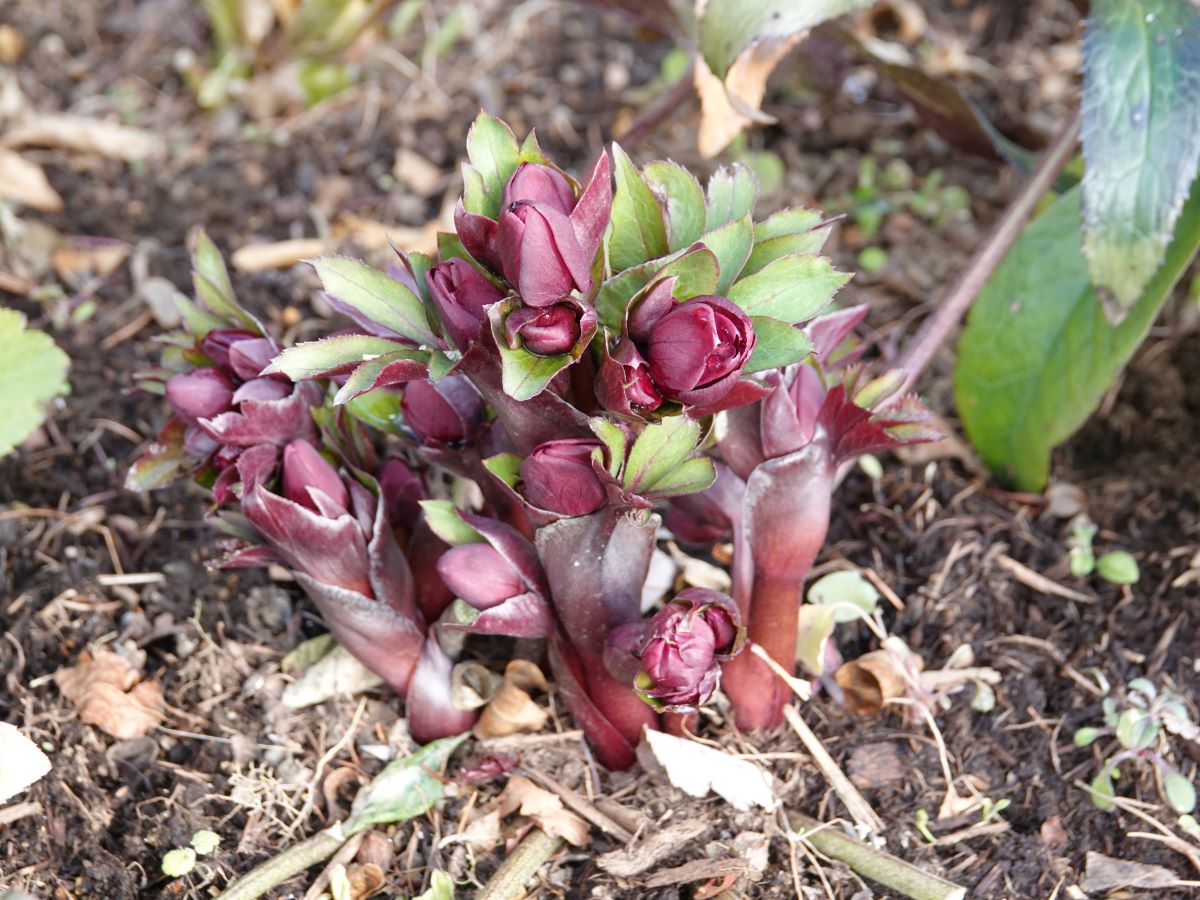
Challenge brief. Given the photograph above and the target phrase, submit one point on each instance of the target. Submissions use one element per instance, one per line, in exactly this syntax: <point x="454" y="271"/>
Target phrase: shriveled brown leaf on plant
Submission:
<point x="108" y="692"/>
<point x="513" y="709"/>
<point x="544" y="809"/>
<point x="23" y="181"/>
<point x="726" y="107"/>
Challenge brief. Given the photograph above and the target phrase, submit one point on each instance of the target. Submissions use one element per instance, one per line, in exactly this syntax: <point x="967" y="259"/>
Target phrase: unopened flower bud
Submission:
<point x="558" y="476"/>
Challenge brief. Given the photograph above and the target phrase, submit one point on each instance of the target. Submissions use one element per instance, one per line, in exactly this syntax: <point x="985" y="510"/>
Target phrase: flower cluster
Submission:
<point x="493" y="448"/>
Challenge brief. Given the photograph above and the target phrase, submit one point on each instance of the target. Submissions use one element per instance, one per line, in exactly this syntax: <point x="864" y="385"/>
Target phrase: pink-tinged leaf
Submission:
<point x="523" y="616"/>
<point x="593" y="208"/>
<point x="391" y="368"/>
<point x="513" y="546"/>
<point x="854" y="431"/>
<point x="382" y="639"/>
<point x="742" y="393"/>
<point x="478" y="235"/>
<point x="162" y="462"/>
<point x="277" y="422"/>
<point x="740" y="443"/>
<point x="828" y="332"/>
<point x="428" y="706"/>
<point x="249" y="558"/>
<point x="330" y="356"/>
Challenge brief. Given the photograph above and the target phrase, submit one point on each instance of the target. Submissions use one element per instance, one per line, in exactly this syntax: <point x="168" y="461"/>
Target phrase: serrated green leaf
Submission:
<point x="732" y="192"/>
<point x="1180" y="792"/>
<point x="791" y="289"/>
<point x="731" y="243"/>
<point x="444" y="521"/>
<point x="33" y="371"/>
<point x="213" y="286"/>
<point x="771" y="249"/>
<point x="1141" y="136"/>
<point x="494" y="155"/>
<point x="313" y="358"/>
<point x="695" y="274"/>
<point x="776" y="344"/>
<point x="637" y="232"/>
<point x="365" y="375"/>
<point x="614" y="440"/>
<point x="680" y="195"/>
<point x="690" y="476"/>
<point x="793" y="220"/>
<point x="729" y="27"/>
<point x="405" y="788"/>
<point x="376" y="295"/>
<point x="845" y="592"/>
<point x="659" y="449"/>
<point x="1038" y="353"/>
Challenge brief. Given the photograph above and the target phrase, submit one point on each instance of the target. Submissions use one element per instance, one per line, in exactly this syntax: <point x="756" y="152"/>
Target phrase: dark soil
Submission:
<point x="235" y="761"/>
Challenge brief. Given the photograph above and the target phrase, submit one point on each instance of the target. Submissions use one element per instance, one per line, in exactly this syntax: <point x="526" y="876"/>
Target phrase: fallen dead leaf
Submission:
<point x="696" y="769"/>
<point x="726" y="107"/>
<point x="1103" y="873"/>
<point x="337" y="672"/>
<point x="375" y="236"/>
<point x="512" y="709"/>
<point x="544" y="809"/>
<point x="655" y="845"/>
<point x="417" y="173"/>
<point x="698" y="870"/>
<point x="874" y="765"/>
<point x="21" y="762"/>
<point x="482" y="833"/>
<point x="12" y="45"/>
<point x="83" y="135"/>
<point x="24" y="182"/>
<point x="109" y="693"/>
<point x="870" y="681"/>
<point x="365" y="880"/>
<point x="277" y="255"/>
<point x="1054" y="836"/>
<point x="83" y="258"/>
<point x="755" y="848"/>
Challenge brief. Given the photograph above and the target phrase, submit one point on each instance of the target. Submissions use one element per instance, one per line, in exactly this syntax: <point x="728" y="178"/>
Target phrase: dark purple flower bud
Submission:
<point x="547" y="332"/>
<point x="402" y="491"/>
<point x="697" y="350"/>
<point x="306" y="474"/>
<point x="478" y="574"/>
<point x="445" y="411"/>
<point x="200" y="394"/>
<point x="216" y="343"/>
<point x="540" y="253"/>
<point x="558" y="476"/>
<point x="249" y="357"/>
<point x="460" y="295"/>
<point x="540" y="184"/>
<point x="682" y="647"/>
<point x="478" y="235"/>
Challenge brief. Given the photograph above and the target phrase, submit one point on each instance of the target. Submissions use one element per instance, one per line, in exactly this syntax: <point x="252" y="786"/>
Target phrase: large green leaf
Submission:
<point x="637" y="232"/>
<point x="777" y="344"/>
<point x="1141" y="136"/>
<point x="729" y="27"/>
<point x="376" y="295"/>
<point x="1038" y="352"/>
<point x="33" y="371"/>
<point x="792" y="288"/>
<point x="732" y="192"/>
<point x="660" y="450"/>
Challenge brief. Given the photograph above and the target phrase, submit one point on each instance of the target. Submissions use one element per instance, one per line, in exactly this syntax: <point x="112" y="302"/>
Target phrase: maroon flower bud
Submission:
<point x="697" y="349"/>
<point x="200" y="394"/>
<point x="478" y="574"/>
<point x="540" y="184"/>
<point x="682" y="647"/>
<point x="260" y="389"/>
<point x="558" y="476"/>
<point x="540" y="254"/>
<point x="217" y="343"/>
<point x="548" y="331"/>
<point x="443" y="412"/>
<point x="248" y="358"/>
<point x="312" y="482"/>
<point x="460" y="295"/>
<point x="402" y="491"/>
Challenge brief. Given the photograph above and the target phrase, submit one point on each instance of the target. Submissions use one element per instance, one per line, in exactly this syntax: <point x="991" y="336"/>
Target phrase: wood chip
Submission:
<point x="651" y="849"/>
<point x="698" y="870"/>
<point x="877" y="764"/>
<point x="278" y="255"/>
<point x="24" y="182"/>
<point x="1103" y="873"/>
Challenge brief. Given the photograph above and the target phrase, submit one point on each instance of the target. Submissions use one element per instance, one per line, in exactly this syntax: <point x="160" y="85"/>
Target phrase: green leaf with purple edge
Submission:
<point x="659" y="449"/>
<point x="777" y="344"/>
<point x="731" y="244"/>
<point x="494" y="155"/>
<point x="792" y="289"/>
<point x="732" y="193"/>
<point x="444" y="521"/>
<point x="376" y="295"/>
<point x="1141" y="137"/>
<point x="390" y="368"/>
<point x="682" y="199"/>
<point x="316" y="358"/>
<point x="1038" y="352"/>
<point x="688" y="477"/>
<point x="637" y="232"/>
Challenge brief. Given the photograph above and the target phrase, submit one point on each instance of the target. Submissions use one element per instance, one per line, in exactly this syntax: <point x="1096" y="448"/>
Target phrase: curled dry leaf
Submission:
<point x="512" y="708"/>
<point x="655" y="845"/>
<point x="365" y="880"/>
<point x="871" y="680"/>
<point x="726" y="107"/>
<point x="21" y="762"/>
<point x="83" y="135"/>
<point x="82" y="258"/>
<point x="544" y="809"/>
<point x="472" y="685"/>
<point x="109" y="693"/>
<point x="24" y="182"/>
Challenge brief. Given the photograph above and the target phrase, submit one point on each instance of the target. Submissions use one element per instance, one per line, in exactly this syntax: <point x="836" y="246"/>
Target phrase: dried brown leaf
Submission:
<point x="417" y="173"/>
<point x="512" y="709"/>
<point x="726" y="107"/>
<point x="78" y="260"/>
<point x="84" y="135"/>
<point x="24" y="182"/>
<point x="278" y="255"/>
<point x="1054" y="836"/>
<point x="108" y="693"/>
<point x="655" y="846"/>
<point x="870" y="681"/>
<point x="544" y="809"/>
<point x="1104" y="873"/>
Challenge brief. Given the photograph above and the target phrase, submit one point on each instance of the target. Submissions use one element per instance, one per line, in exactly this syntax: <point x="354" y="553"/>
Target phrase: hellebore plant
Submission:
<point x="493" y="448"/>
